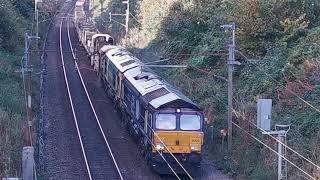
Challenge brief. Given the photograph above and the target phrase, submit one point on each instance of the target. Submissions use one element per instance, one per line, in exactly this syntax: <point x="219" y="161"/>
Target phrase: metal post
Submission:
<point x="282" y="163"/>
<point x="231" y="63"/>
<point x="28" y="69"/>
<point x="27" y="162"/>
<point x="37" y="34"/>
<point x="127" y="17"/>
<point x="280" y="156"/>
<point x="230" y="95"/>
<point x="26" y="49"/>
<point x="281" y="133"/>
<point x="36" y="14"/>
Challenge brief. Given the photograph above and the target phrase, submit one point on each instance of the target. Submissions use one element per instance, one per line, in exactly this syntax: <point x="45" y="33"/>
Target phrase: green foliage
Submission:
<point x="307" y="47"/>
<point x="280" y="40"/>
<point x="24" y="7"/>
<point x="12" y="24"/>
<point x="261" y="172"/>
<point x="11" y="109"/>
<point x="293" y="29"/>
<point x="11" y="144"/>
<point x="11" y="83"/>
<point x="15" y="17"/>
<point x="114" y="7"/>
<point x="279" y="33"/>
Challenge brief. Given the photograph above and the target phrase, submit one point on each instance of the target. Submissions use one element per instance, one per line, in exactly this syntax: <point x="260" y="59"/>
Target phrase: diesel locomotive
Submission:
<point x="167" y="125"/>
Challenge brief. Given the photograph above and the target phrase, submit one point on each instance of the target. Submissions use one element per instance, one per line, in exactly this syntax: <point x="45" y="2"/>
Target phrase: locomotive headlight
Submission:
<point x="159" y="147"/>
<point x="195" y="148"/>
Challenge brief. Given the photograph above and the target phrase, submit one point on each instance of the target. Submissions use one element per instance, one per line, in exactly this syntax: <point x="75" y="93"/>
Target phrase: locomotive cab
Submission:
<point x="177" y="132"/>
<point x="167" y="124"/>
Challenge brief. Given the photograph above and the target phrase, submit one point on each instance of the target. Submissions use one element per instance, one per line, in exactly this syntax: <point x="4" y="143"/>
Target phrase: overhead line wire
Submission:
<point x="286" y="146"/>
<point x="306" y="102"/>
<point x="252" y="136"/>
<point x="234" y="111"/>
<point x="168" y="150"/>
<point x="294" y="151"/>
<point x="251" y="122"/>
<point x="297" y="97"/>
<point x="167" y="161"/>
<point x="149" y="127"/>
<point x="188" y="174"/>
<point x="161" y="153"/>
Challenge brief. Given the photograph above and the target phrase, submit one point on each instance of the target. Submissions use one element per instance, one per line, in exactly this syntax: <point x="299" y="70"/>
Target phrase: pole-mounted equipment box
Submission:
<point x="264" y="107"/>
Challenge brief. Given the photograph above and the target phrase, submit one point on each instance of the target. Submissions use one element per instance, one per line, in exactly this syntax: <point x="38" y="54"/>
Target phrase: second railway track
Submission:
<point x="97" y="153"/>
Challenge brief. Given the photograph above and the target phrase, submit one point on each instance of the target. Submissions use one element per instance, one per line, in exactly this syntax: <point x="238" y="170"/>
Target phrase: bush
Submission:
<point x="12" y="26"/>
<point x="15" y="16"/>
<point x="281" y="40"/>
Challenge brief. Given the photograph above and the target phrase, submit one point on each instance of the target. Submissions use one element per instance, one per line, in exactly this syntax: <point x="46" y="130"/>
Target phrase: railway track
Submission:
<point x="75" y="146"/>
<point x="96" y="150"/>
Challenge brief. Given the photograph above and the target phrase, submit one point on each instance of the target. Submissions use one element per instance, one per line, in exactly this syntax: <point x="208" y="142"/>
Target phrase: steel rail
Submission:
<point x="91" y="105"/>
<point x="174" y="157"/>
<point x="71" y="104"/>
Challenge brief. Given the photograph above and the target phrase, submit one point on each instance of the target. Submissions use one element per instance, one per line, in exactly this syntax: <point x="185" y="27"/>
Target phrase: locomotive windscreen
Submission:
<point x="181" y="121"/>
<point x="190" y="122"/>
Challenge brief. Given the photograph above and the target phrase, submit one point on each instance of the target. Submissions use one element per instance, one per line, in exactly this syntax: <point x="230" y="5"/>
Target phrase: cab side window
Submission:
<point x="112" y="75"/>
<point x="126" y="95"/>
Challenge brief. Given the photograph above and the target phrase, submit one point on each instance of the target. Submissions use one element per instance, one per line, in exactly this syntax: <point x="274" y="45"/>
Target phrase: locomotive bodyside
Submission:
<point x="158" y="115"/>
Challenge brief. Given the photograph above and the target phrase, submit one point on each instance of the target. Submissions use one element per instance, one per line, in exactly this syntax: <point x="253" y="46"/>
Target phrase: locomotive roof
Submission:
<point x="143" y="81"/>
<point x="156" y="91"/>
<point x="120" y="57"/>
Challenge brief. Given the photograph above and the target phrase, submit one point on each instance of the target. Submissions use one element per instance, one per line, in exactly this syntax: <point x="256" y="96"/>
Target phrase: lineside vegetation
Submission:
<point x="16" y="19"/>
<point x="277" y="39"/>
<point x="15" y="16"/>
